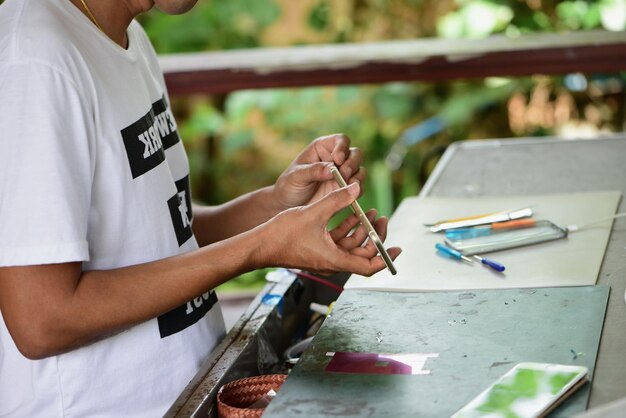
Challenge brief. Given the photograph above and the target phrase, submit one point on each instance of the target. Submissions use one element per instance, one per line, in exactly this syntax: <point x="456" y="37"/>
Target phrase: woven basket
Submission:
<point x="234" y="398"/>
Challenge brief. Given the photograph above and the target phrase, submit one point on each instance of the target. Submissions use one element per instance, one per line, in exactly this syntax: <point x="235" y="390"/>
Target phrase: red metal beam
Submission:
<point x="223" y="72"/>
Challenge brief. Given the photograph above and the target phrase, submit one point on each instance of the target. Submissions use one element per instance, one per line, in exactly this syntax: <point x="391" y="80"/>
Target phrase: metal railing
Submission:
<point x="411" y="60"/>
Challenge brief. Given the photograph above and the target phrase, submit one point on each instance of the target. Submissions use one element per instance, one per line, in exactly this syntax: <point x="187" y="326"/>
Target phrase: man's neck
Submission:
<point x="113" y="16"/>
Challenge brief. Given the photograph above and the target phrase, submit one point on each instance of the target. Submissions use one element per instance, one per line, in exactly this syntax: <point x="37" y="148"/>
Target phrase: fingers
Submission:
<point x="381" y="227"/>
<point x="367" y="266"/>
<point x="354" y="243"/>
<point x="333" y="148"/>
<point x="341" y="148"/>
<point x="341" y="249"/>
<point x="375" y="262"/>
<point x="335" y="201"/>
<point x="352" y="170"/>
<point x="352" y="164"/>
<point x="305" y="174"/>
<point x="360" y="177"/>
<point x="370" y="250"/>
<point x="344" y="228"/>
<point x="342" y="231"/>
<point x="359" y="236"/>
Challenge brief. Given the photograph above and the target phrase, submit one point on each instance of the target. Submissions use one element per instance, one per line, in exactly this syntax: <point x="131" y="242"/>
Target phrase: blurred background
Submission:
<point x="240" y="141"/>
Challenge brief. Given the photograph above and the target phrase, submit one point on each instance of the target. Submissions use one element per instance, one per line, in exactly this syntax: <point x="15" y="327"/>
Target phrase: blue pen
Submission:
<point x="496" y="266"/>
<point x="451" y="252"/>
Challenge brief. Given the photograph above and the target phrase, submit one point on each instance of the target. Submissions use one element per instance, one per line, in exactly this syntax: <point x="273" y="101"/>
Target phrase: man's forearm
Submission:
<point x="215" y="223"/>
<point x="50" y="312"/>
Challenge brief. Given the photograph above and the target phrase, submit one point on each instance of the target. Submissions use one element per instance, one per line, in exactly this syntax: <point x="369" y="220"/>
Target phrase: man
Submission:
<point x="106" y="271"/>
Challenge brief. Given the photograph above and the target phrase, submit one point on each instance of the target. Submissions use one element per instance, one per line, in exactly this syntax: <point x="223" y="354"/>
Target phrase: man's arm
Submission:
<point x="306" y="180"/>
<point x="51" y="309"/>
<point x="215" y="223"/>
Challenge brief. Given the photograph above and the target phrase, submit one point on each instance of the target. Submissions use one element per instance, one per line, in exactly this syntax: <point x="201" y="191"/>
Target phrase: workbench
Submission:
<point x="544" y="165"/>
<point x="533" y="166"/>
<point x="367" y="321"/>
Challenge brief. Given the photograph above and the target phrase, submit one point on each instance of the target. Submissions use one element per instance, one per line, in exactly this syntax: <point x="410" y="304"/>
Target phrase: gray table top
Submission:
<point x="475" y="169"/>
<point x="461" y="342"/>
<point x="550" y="165"/>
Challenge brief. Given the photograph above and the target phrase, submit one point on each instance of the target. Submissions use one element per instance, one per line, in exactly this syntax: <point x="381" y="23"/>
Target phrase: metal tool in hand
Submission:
<point x="371" y="232"/>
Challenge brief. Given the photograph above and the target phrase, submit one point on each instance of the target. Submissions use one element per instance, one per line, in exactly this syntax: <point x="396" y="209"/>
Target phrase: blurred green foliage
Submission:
<point x="211" y="25"/>
<point x="261" y="131"/>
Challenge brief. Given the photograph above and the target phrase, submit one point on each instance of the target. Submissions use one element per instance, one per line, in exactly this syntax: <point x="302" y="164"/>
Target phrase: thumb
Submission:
<point x="335" y="201"/>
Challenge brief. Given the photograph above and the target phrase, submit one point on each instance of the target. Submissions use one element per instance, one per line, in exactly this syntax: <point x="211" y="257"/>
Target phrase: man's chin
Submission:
<point x="175" y="7"/>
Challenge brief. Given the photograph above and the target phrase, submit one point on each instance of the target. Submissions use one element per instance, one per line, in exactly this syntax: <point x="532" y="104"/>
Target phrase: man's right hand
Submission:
<point x="299" y="238"/>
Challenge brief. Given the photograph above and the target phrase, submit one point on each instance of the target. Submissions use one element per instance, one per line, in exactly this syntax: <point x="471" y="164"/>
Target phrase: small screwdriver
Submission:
<point x="451" y="252"/>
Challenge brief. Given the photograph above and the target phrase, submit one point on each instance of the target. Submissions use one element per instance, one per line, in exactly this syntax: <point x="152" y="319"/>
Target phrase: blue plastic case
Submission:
<point x="497" y="240"/>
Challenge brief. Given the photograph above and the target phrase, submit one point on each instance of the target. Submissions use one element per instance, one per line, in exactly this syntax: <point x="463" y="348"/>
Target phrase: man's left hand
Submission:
<point x="308" y="177"/>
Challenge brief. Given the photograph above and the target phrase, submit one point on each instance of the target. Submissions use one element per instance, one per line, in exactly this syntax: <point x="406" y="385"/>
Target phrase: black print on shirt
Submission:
<point x="146" y="139"/>
<point x="180" y="211"/>
<point x="184" y="192"/>
<point x="186" y="315"/>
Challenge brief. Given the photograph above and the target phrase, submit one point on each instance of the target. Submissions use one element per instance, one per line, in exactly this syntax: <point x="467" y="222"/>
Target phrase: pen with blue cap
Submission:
<point x="457" y="254"/>
<point x="490" y="263"/>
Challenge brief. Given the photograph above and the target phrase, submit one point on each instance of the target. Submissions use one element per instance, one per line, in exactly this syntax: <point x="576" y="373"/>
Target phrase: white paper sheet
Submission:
<point x="574" y="261"/>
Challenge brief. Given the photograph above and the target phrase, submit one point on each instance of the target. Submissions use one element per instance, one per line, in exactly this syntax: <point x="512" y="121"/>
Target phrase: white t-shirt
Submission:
<point x="92" y="169"/>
